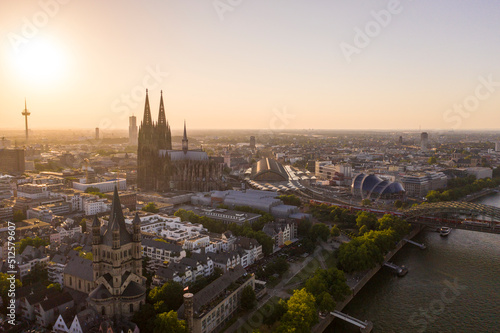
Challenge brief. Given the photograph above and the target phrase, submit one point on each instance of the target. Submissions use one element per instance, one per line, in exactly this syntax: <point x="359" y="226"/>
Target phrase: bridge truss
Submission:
<point x="456" y="214"/>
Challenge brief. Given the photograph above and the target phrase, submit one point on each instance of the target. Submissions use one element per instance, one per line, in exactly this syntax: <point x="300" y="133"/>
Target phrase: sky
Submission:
<point x="252" y="64"/>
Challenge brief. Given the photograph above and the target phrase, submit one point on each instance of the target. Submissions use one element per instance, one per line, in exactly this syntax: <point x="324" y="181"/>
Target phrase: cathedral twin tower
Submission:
<point x="160" y="168"/>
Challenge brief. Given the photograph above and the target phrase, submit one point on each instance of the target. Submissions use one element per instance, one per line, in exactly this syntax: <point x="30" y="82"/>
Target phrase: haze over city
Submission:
<point x="249" y="166"/>
<point x="237" y="65"/>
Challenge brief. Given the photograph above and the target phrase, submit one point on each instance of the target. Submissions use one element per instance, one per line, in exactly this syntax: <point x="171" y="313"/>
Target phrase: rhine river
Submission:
<point x="452" y="286"/>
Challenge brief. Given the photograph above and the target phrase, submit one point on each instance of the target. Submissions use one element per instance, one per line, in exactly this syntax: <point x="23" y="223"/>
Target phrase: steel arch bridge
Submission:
<point x="451" y="213"/>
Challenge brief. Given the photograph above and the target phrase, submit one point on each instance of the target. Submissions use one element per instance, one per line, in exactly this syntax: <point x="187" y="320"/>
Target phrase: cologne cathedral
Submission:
<point x="162" y="169"/>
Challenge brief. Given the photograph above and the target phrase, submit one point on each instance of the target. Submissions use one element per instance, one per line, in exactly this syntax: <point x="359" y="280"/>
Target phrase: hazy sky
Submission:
<point x="252" y="63"/>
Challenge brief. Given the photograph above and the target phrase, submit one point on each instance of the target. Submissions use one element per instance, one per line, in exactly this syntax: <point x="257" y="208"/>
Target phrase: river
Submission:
<point x="452" y="286"/>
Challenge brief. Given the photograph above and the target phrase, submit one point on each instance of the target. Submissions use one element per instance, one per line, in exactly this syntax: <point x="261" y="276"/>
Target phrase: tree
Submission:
<point x="366" y="202"/>
<point x="366" y="219"/>
<point x="291" y="199"/>
<point x="301" y="313"/>
<point x="19" y="216"/>
<point x="168" y="322"/>
<point x="143" y="318"/>
<point x="304" y="227"/>
<point x="35" y="242"/>
<point x="167" y="297"/>
<point x="248" y="298"/>
<point x="401" y="227"/>
<point x="398" y="203"/>
<point x="5" y="287"/>
<point x="319" y="230"/>
<point x="56" y="286"/>
<point x="151" y="208"/>
<point x="326" y="302"/>
<point x="432" y="160"/>
<point x="83" y="224"/>
<point x="335" y="232"/>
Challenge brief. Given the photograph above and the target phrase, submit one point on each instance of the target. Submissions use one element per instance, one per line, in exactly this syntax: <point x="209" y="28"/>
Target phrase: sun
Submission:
<point x="40" y="61"/>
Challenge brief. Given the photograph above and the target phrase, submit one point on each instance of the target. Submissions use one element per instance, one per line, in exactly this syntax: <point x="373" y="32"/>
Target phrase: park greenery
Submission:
<point x="160" y="301"/>
<point x="333" y="214"/>
<point x="95" y="191"/>
<point x="35" y="242"/>
<point x="328" y="286"/>
<point x="291" y="199"/>
<point x="19" y="216"/>
<point x="376" y="238"/>
<point x="278" y="266"/>
<point x="248" y="298"/>
<point x="460" y="187"/>
<point x="300" y="314"/>
<point x="151" y="208"/>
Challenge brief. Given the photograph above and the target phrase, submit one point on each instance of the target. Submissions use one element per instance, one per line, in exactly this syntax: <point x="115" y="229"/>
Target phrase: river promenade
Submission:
<point x="325" y="322"/>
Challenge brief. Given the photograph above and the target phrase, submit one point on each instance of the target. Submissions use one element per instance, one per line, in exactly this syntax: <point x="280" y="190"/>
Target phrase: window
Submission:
<point x="103" y="311"/>
<point x="131" y="307"/>
<point x="70" y="281"/>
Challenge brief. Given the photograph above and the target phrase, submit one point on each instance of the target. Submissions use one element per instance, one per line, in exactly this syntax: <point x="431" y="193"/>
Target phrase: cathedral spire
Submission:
<point x="185" y="140"/>
<point x="147" y="113"/>
<point x="162" y="119"/>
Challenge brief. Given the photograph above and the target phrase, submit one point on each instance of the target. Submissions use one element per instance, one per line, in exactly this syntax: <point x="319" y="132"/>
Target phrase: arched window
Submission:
<point x="131" y="307"/>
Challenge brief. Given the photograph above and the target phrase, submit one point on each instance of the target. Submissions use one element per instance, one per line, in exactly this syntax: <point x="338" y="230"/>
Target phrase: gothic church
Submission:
<point x="160" y="168"/>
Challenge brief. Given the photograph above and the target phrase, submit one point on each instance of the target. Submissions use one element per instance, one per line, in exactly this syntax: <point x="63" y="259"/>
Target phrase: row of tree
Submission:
<point x="328" y="286"/>
<point x="333" y="214"/>
<point x="377" y="237"/>
<point x="460" y="187"/>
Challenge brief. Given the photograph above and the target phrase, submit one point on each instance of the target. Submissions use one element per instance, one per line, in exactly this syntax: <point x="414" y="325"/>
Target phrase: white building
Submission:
<point x="30" y="257"/>
<point x="103" y="187"/>
<point x="95" y="205"/>
<point x="56" y="269"/>
<point x="32" y="191"/>
<point x="162" y="251"/>
<point x="67" y="229"/>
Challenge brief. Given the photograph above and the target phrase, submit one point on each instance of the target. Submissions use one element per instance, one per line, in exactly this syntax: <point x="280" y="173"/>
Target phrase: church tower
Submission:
<point x="152" y="138"/>
<point x="117" y="265"/>
<point x="185" y="140"/>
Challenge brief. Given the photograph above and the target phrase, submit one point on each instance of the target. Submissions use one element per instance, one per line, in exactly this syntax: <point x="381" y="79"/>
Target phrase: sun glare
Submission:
<point x="40" y="61"/>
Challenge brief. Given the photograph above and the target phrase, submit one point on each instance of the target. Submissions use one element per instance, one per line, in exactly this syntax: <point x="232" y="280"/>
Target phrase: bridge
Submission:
<point x="364" y="326"/>
<point x="454" y="214"/>
<point x="451" y="214"/>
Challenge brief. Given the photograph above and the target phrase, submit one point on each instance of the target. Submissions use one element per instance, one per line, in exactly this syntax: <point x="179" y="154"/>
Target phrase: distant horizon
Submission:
<point x="264" y="130"/>
<point x="377" y="65"/>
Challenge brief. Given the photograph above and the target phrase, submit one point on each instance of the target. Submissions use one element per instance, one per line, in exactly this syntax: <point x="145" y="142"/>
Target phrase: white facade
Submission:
<point x="103" y="187"/>
<point x="32" y="191"/>
<point x="93" y="206"/>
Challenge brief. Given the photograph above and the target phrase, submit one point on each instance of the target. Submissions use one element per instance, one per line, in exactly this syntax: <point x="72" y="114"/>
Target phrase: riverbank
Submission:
<point x="324" y="323"/>
<point x="480" y="194"/>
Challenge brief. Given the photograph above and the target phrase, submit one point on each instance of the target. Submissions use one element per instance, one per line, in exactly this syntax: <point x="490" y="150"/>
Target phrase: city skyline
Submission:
<point x="279" y="66"/>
